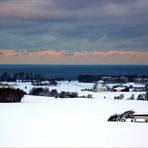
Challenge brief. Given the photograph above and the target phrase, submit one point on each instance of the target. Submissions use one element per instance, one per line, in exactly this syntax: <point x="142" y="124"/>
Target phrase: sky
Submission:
<point x="73" y="32"/>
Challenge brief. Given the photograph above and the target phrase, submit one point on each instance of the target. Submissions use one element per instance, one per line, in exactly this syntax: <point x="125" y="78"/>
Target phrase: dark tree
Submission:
<point x="121" y="96"/>
<point x="146" y="96"/>
<point x="5" y="77"/>
<point x="132" y="97"/>
<point x="141" y="97"/>
<point x="113" y="117"/>
<point x="21" y="76"/>
<point x="54" y="93"/>
<point x="63" y="94"/>
<point x="72" y="95"/>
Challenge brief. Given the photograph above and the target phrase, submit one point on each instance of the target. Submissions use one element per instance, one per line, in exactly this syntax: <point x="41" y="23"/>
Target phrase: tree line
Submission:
<point x="26" y="77"/>
<point x="40" y="91"/>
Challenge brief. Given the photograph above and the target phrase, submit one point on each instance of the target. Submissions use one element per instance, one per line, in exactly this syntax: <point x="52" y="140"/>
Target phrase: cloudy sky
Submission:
<point x="74" y="31"/>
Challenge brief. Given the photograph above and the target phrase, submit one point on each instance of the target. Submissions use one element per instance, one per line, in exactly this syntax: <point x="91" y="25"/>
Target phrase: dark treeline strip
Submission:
<point x="26" y="77"/>
<point x="113" y="79"/>
<point x="54" y="93"/>
<point x="31" y="77"/>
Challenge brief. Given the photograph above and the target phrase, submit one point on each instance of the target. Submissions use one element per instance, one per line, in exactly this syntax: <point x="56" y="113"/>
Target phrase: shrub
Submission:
<point x="11" y="95"/>
<point x="121" y="96"/>
<point x="127" y="114"/>
<point x="132" y="97"/>
<point x="39" y="91"/>
<point x="73" y="94"/>
<point x="141" y="97"/>
<point x="54" y="93"/>
<point x="64" y="94"/>
<point x="115" y="97"/>
<point x="89" y="96"/>
<point x="146" y="96"/>
<point x="113" y="117"/>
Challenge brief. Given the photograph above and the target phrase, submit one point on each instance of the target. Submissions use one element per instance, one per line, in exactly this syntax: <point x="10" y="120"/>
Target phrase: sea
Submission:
<point x="71" y="72"/>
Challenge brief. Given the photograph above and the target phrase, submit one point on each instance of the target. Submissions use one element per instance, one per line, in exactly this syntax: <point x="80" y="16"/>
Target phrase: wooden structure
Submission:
<point x="140" y="116"/>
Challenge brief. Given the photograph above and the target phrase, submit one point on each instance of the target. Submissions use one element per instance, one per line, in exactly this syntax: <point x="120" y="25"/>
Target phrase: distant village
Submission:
<point x="100" y="86"/>
<point x="101" y="82"/>
<point x="114" y="79"/>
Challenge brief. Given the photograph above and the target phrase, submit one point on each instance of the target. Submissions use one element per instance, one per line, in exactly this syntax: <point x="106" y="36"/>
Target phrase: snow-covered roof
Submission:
<point x="100" y="82"/>
<point x="120" y="88"/>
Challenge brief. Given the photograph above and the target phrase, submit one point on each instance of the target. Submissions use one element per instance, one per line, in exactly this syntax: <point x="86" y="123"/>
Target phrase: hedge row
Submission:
<point x="11" y="95"/>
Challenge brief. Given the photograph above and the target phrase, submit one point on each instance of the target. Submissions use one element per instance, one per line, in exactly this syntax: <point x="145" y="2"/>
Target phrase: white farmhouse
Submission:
<point x="100" y="86"/>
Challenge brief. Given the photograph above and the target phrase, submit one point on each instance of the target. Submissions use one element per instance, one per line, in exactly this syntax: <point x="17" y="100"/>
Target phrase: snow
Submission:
<point x="75" y="86"/>
<point x="76" y="122"/>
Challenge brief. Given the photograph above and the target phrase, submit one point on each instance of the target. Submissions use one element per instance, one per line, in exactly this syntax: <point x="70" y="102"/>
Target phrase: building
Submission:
<point x="120" y="88"/>
<point x="100" y="86"/>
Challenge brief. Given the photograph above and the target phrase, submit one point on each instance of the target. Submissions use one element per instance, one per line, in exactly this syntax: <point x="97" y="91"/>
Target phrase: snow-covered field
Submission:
<point x="75" y="86"/>
<point x="77" y="122"/>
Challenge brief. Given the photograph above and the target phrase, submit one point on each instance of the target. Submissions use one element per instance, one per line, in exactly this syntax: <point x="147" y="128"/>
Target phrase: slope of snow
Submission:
<point x="77" y="122"/>
<point x="49" y="122"/>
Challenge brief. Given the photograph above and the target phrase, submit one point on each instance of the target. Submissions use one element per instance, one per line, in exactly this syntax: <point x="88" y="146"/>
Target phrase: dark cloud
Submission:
<point x="74" y="24"/>
<point x="111" y="11"/>
<point x="81" y="4"/>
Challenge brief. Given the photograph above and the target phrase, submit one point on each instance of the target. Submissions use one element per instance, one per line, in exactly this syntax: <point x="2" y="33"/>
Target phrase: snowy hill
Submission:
<point x="76" y="122"/>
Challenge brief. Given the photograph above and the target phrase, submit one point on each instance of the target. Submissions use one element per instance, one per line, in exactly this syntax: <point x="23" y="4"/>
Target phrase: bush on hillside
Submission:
<point x="120" y="97"/>
<point x="64" y="94"/>
<point x="132" y="97"/>
<point x="54" y="93"/>
<point x="127" y="114"/>
<point x="90" y="96"/>
<point x="141" y="97"/>
<point x="39" y="91"/>
<point x="122" y="117"/>
<point x="146" y="96"/>
<point x="11" y="95"/>
<point x="113" y="117"/>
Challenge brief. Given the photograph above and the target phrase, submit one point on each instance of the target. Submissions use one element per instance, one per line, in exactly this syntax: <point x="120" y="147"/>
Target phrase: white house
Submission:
<point x="99" y="86"/>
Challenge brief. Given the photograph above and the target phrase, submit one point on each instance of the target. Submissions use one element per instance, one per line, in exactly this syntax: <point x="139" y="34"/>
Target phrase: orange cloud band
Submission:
<point x="73" y="57"/>
<point x="109" y="53"/>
